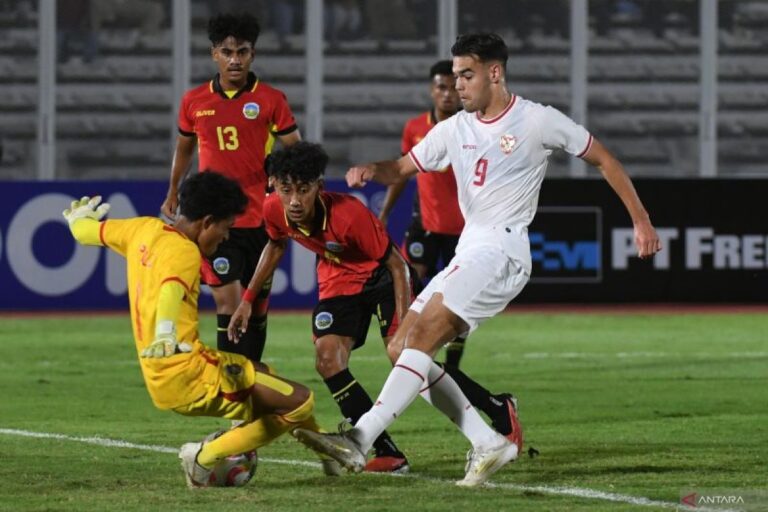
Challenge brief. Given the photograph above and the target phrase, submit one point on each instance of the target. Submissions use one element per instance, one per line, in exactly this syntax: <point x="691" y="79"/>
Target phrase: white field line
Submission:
<point x="383" y="358"/>
<point x="575" y="492"/>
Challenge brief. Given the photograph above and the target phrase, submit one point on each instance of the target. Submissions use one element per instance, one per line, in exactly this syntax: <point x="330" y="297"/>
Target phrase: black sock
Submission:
<point x="453" y="352"/>
<point x="255" y="337"/>
<point x="222" y="341"/>
<point x="481" y="398"/>
<point x="251" y="344"/>
<point x="354" y="402"/>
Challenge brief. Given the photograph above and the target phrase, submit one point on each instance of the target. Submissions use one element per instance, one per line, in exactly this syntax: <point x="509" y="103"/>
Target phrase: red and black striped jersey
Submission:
<point x="234" y="135"/>
<point x="349" y="240"/>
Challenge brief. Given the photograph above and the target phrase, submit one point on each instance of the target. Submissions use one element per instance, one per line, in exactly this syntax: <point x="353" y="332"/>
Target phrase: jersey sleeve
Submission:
<point x="559" y="131"/>
<point x="283" y="121"/>
<point x="406" y="141"/>
<point x="179" y="263"/>
<point x="185" y="121"/>
<point x="367" y="233"/>
<point x="431" y="153"/>
<point x="117" y="233"/>
<point x="273" y="215"/>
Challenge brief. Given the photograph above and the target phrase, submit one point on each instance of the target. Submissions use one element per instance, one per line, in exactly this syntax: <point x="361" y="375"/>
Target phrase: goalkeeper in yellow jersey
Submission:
<point x="182" y="374"/>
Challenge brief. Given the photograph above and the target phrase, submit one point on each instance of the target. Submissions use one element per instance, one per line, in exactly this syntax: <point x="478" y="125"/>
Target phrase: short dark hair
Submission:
<point x="441" y="67"/>
<point x="302" y="162"/>
<point x="243" y="27"/>
<point x="485" y="46"/>
<point x="210" y="193"/>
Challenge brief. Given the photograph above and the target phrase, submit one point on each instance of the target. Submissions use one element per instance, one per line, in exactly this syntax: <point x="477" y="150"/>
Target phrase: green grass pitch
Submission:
<point x="629" y="407"/>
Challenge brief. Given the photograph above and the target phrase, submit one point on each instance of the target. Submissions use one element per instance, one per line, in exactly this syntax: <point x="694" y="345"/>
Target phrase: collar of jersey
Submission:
<point x="296" y="227"/>
<point x="512" y="101"/>
<point x="182" y="235"/>
<point x="250" y="85"/>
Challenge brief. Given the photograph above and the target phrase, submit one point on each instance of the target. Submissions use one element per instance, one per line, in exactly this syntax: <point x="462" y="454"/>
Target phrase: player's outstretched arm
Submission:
<point x="165" y="344"/>
<point x="646" y="239"/>
<point x="182" y="157"/>
<point x="393" y="194"/>
<point x="401" y="279"/>
<point x="83" y="216"/>
<point x="268" y="261"/>
<point x="386" y="172"/>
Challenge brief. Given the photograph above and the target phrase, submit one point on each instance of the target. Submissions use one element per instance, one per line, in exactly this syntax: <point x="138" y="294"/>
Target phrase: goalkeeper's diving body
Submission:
<point x="180" y="372"/>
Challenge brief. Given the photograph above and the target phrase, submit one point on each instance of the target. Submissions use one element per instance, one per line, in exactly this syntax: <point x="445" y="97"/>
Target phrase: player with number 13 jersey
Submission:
<point x="234" y="120"/>
<point x="235" y="134"/>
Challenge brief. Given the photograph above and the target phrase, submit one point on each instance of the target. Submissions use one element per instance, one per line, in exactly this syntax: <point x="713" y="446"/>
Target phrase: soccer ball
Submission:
<point x="235" y="470"/>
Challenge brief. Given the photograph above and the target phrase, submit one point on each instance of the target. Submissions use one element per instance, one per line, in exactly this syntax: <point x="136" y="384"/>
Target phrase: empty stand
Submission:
<point x="114" y="115"/>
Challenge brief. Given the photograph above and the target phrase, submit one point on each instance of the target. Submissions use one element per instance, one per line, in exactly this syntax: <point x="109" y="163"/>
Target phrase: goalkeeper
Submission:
<point x="182" y="374"/>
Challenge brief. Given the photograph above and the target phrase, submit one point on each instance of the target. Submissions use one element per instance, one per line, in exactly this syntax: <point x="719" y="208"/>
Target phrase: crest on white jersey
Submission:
<point x="507" y="143"/>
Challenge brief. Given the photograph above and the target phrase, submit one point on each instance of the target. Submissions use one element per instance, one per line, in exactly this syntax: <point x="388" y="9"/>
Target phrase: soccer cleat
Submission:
<point x="516" y="434"/>
<point x="482" y="464"/>
<point x="196" y="475"/>
<point x="330" y="466"/>
<point x="388" y="464"/>
<point x="341" y="447"/>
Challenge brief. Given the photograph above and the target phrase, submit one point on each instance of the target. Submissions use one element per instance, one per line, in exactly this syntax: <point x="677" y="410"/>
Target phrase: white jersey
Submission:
<point x="499" y="165"/>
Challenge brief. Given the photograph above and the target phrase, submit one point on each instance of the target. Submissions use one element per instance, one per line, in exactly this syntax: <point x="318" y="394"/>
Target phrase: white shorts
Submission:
<point x="477" y="284"/>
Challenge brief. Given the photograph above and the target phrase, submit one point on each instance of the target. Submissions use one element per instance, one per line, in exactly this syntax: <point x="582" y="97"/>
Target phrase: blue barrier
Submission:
<point x="42" y="268"/>
<point x="582" y="245"/>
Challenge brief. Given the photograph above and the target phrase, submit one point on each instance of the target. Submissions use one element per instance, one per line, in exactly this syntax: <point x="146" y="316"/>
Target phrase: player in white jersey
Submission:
<point x="498" y="147"/>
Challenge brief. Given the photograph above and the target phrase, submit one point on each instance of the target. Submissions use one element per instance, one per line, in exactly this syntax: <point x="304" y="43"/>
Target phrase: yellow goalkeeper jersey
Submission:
<point x="156" y="253"/>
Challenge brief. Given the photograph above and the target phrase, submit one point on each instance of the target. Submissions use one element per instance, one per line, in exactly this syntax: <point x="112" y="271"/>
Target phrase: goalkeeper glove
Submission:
<point x="86" y="208"/>
<point x="165" y="343"/>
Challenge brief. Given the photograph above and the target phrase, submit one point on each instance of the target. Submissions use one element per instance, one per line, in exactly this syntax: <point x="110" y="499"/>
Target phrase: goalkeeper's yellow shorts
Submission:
<point x="232" y="399"/>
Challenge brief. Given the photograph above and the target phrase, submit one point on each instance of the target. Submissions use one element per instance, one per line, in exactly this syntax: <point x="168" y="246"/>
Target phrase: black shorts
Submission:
<point x="350" y="315"/>
<point x="236" y="258"/>
<point x="428" y="248"/>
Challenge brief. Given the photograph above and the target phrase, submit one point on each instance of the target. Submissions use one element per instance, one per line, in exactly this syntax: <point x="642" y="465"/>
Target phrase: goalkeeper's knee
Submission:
<point x="302" y="412"/>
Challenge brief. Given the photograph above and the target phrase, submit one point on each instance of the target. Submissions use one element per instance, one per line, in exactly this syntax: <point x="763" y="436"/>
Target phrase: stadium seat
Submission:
<point x="639" y="40"/>
<point x="742" y="96"/>
<point x="604" y="68"/>
<point x="739" y="42"/>
<point x="672" y="67"/>
<point x="742" y="150"/>
<point x="599" y="45"/>
<point x="17" y="99"/>
<point x="756" y="124"/>
<point x="19" y="124"/>
<point x="643" y="92"/>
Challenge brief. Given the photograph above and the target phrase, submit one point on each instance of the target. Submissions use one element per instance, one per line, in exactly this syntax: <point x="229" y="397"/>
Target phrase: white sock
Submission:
<point x="402" y="386"/>
<point x="444" y="394"/>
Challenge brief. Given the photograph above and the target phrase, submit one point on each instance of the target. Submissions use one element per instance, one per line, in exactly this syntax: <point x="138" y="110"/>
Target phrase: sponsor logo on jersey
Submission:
<point x="334" y="246"/>
<point x="251" y="110"/>
<point x="468" y="146"/>
<point x="221" y="265"/>
<point x="507" y="143"/>
<point x="331" y="257"/>
<point x="416" y="249"/>
<point x="323" y="320"/>
<point x="201" y="113"/>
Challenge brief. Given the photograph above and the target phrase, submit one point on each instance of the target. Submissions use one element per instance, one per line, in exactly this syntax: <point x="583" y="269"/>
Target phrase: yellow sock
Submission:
<point x="258" y="433"/>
